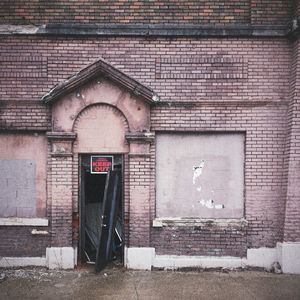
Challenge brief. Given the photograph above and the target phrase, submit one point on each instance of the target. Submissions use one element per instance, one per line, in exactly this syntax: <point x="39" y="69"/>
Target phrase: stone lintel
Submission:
<point x="140" y="137"/>
<point x="61" y="136"/>
<point x="185" y="222"/>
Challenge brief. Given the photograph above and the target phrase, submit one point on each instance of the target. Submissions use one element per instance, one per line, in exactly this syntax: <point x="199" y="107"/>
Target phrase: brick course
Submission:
<point x="205" y="240"/>
<point x="26" y="244"/>
<point x="271" y="12"/>
<point x="260" y="69"/>
<point x="25" y="115"/>
<point x="128" y="12"/>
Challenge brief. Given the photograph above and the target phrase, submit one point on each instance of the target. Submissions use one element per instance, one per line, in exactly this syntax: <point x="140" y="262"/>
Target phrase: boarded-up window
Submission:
<point x="17" y="185"/>
<point x="199" y="175"/>
<point x="22" y="175"/>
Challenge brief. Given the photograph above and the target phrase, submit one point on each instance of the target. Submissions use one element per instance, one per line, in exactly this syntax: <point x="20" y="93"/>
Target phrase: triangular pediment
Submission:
<point x="104" y="69"/>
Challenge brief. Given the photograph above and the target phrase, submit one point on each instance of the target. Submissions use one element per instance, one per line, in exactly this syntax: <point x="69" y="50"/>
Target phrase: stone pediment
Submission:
<point x="100" y="84"/>
<point x="105" y="70"/>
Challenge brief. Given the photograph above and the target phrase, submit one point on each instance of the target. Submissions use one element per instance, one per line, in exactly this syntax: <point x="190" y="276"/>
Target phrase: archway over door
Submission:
<point x="100" y="130"/>
<point x="99" y="110"/>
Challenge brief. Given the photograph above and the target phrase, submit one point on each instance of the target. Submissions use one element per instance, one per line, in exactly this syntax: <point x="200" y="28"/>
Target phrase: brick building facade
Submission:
<point x="198" y="99"/>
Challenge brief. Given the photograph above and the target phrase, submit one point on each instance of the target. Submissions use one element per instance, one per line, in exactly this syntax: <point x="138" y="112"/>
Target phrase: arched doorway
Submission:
<point x="103" y="113"/>
<point x="100" y="148"/>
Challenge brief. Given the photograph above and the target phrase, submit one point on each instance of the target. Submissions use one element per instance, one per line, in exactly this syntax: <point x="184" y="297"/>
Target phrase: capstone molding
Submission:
<point x="10" y="262"/>
<point x="289" y="257"/>
<point x="184" y="222"/>
<point x="61" y="136"/>
<point x="139" y="143"/>
<point x="60" y="258"/>
<point x="153" y="30"/>
<point x="40" y="222"/>
<point x="61" y="143"/>
<point x="286" y="254"/>
<point x="173" y="262"/>
<point x="140" y="137"/>
<point x="262" y="257"/>
<point x="139" y="258"/>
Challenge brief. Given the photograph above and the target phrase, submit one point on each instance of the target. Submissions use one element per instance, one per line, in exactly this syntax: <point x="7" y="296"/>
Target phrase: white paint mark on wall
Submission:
<point x="219" y="206"/>
<point x="210" y="204"/>
<point x="205" y="203"/>
<point x="198" y="171"/>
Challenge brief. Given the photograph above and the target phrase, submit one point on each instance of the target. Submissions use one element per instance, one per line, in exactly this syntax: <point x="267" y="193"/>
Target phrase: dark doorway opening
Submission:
<point x="101" y="211"/>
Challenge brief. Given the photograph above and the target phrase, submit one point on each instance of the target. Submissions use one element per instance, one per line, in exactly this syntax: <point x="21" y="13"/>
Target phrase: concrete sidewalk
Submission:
<point x="117" y="283"/>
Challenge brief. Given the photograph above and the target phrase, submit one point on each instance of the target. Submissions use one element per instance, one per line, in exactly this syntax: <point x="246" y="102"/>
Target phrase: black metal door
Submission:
<point x="112" y="195"/>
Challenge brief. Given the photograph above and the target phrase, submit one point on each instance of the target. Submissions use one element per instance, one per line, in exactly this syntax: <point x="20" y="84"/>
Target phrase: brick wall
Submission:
<point x="296" y="8"/>
<point x="225" y="69"/>
<point x="118" y="11"/>
<point x="25" y="245"/>
<point x="61" y="200"/>
<point x="229" y="84"/>
<point x="239" y="85"/>
<point x="264" y="125"/>
<point x="25" y="115"/>
<point x="292" y="162"/>
<point x="271" y="11"/>
<point x="200" y="240"/>
<point x="139" y="193"/>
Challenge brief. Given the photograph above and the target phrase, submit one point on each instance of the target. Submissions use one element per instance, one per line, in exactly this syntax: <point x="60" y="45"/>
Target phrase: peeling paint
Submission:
<point x="198" y="171"/>
<point x="199" y="222"/>
<point x="219" y="206"/>
<point x="209" y="169"/>
<point x="205" y="203"/>
<point x="19" y="29"/>
<point x="210" y="204"/>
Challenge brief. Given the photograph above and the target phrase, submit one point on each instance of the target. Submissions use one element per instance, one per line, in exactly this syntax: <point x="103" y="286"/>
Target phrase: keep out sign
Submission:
<point x="101" y="164"/>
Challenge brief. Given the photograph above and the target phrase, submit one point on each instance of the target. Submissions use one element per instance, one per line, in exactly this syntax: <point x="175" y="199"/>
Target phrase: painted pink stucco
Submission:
<point x="103" y="118"/>
<point x="69" y="107"/>
<point x="101" y="128"/>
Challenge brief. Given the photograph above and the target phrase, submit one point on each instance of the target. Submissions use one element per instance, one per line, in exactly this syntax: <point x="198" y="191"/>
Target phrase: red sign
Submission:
<point x="101" y="164"/>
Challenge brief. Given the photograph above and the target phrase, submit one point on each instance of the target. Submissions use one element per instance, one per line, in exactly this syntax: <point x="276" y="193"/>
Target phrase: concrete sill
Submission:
<point x="186" y="222"/>
<point x="24" y="222"/>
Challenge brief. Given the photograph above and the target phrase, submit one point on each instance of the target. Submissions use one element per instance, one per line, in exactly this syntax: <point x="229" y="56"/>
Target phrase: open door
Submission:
<point x="101" y="217"/>
<point x="107" y="233"/>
